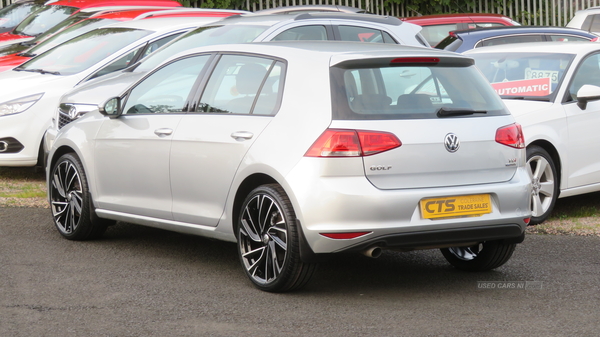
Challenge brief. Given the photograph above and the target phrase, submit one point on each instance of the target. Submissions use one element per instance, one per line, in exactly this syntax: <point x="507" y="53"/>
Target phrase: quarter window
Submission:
<point x="317" y="33"/>
<point x="361" y="34"/>
<point x="166" y="90"/>
<point x="566" y="38"/>
<point x="243" y="85"/>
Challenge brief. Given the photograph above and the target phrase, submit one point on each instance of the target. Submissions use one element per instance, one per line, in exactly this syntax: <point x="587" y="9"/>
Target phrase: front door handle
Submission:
<point x="163" y="132"/>
<point x="242" y="135"/>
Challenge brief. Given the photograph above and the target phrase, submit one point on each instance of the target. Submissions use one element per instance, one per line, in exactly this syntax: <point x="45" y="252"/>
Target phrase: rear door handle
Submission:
<point x="163" y="132"/>
<point x="242" y="135"/>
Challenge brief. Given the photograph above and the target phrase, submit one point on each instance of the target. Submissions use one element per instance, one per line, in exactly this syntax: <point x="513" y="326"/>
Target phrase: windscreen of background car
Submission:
<point x="44" y="19"/>
<point x="12" y="15"/>
<point x="67" y="34"/>
<point x="204" y="36"/>
<point x="533" y="76"/>
<point x="412" y="91"/>
<point x="84" y="51"/>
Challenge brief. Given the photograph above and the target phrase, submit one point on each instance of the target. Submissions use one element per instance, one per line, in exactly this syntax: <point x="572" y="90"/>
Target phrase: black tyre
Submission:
<point x="481" y="257"/>
<point x="544" y="180"/>
<point x="70" y="201"/>
<point x="269" y="242"/>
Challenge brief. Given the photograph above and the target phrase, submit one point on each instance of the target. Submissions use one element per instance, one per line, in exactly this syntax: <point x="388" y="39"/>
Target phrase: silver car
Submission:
<point x="296" y="150"/>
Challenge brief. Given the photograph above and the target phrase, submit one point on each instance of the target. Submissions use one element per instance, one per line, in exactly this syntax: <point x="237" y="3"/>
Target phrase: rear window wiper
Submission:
<point x="528" y="98"/>
<point x="41" y="71"/>
<point x="447" y="112"/>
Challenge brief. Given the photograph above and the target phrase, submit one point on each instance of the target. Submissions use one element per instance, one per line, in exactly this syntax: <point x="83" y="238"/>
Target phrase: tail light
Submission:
<point x="511" y="135"/>
<point x="352" y="143"/>
<point x="596" y="39"/>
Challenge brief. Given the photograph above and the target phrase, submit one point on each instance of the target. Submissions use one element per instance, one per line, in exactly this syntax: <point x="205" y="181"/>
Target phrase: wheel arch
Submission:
<point x="248" y="184"/>
<point x="553" y="152"/>
<point x="62" y="150"/>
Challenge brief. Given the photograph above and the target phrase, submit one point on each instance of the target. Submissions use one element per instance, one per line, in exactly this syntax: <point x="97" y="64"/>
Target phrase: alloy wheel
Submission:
<point x="542" y="181"/>
<point x="263" y="239"/>
<point x="66" y="197"/>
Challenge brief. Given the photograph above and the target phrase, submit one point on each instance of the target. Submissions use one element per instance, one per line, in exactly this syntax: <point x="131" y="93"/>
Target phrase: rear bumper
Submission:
<point x="393" y="219"/>
<point x="443" y="238"/>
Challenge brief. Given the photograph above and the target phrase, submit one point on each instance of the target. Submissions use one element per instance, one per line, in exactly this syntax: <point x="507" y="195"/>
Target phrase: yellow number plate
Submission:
<point x="466" y="205"/>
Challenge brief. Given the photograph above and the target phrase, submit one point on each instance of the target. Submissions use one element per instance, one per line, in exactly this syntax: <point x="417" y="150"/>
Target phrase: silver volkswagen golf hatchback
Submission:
<point x="296" y="150"/>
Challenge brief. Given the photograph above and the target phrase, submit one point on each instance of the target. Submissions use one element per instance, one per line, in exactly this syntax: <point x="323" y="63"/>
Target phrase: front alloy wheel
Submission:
<point x="268" y="241"/>
<point x="70" y="201"/>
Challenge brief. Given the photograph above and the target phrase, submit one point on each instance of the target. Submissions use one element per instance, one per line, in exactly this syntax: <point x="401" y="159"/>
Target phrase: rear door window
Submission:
<point x="242" y="84"/>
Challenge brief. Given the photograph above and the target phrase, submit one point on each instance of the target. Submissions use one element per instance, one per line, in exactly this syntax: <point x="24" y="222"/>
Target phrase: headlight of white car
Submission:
<point x="19" y="105"/>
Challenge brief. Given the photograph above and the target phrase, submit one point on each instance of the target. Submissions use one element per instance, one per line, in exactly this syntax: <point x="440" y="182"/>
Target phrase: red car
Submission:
<point x="437" y="27"/>
<point x="50" y="15"/>
<point x="16" y="54"/>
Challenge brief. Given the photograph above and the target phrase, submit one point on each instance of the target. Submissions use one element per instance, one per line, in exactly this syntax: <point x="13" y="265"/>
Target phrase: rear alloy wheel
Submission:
<point x="544" y="183"/>
<point x="70" y="201"/>
<point x="269" y="243"/>
<point x="484" y="256"/>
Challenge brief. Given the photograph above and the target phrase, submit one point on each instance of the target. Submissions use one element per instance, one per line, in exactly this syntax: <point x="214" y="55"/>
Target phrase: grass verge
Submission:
<point x="579" y="215"/>
<point x="22" y="187"/>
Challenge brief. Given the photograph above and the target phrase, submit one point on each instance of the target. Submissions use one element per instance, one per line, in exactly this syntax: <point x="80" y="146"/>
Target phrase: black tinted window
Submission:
<point x="410" y="92"/>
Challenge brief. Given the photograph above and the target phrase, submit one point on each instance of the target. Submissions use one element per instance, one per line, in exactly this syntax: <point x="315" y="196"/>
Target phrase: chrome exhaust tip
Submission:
<point x="3" y="146"/>
<point x="373" y="252"/>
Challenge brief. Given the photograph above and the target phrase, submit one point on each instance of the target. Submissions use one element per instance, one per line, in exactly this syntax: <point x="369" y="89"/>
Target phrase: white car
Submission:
<point x="296" y="150"/>
<point x="553" y="90"/>
<point x="31" y="92"/>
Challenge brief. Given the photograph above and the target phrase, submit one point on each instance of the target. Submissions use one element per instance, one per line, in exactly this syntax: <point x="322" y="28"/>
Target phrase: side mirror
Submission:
<point x="111" y="108"/>
<point x="587" y="93"/>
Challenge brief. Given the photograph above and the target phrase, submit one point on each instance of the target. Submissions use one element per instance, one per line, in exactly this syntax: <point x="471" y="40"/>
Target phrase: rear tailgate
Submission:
<point x="423" y="160"/>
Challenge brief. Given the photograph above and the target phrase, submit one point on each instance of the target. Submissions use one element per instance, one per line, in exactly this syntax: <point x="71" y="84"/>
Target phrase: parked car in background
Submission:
<point x="31" y="91"/>
<point x="13" y="14"/>
<point x="233" y="142"/>
<point x="554" y="93"/>
<point x="437" y="27"/>
<point x="240" y="29"/>
<point x="53" y="13"/>
<point x="16" y="54"/>
<point x="10" y="47"/>
<point x="311" y="9"/>
<point x="460" y="41"/>
<point x="586" y="19"/>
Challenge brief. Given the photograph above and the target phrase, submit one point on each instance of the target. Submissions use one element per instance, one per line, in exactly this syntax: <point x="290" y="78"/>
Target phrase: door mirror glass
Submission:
<point x="111" y="107"/>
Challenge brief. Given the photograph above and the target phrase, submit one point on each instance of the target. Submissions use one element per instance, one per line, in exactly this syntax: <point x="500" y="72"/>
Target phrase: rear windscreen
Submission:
<point x="412" y="91"/>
